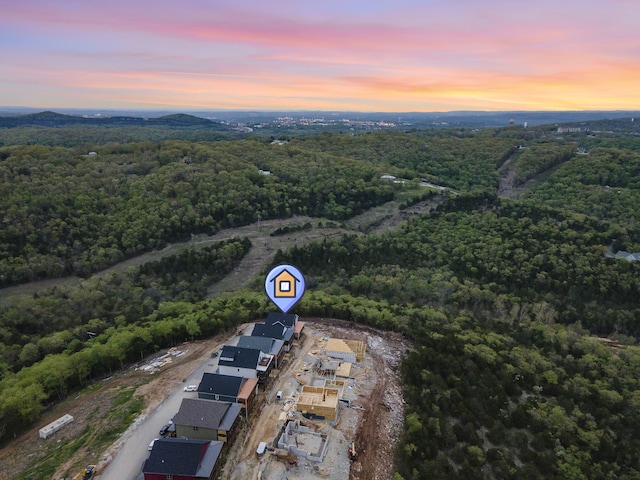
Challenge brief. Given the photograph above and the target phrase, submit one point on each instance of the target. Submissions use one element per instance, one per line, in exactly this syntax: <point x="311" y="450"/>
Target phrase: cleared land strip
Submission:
<point x="264" y="247"/>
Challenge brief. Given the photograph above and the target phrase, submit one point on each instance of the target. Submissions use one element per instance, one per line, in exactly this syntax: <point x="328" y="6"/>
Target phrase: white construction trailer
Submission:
<point x="56" y="425"/>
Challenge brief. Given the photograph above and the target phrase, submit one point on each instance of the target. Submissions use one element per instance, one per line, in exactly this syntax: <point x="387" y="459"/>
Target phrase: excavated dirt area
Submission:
<point x="373" y="422"/>
<point x="91" y="408"/>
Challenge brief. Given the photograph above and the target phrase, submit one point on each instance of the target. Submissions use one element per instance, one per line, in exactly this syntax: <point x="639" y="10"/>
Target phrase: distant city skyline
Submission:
<point x="409" y="55"/>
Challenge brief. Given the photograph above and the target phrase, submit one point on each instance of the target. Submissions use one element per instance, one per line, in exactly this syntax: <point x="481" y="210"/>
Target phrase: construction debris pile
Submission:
<point x="155" y="364"/>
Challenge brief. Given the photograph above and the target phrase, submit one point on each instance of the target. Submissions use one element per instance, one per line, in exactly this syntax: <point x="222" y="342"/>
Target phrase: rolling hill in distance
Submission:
<point x="23" y="116"/>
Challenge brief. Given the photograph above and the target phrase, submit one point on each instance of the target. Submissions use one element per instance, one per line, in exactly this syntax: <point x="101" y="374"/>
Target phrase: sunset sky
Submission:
<point x="401" y="55"/>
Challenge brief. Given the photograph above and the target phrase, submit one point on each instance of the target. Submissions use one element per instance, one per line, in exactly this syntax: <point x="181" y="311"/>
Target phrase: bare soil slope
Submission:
<point x="91" y="407"/>
<point x="374" y="420"/>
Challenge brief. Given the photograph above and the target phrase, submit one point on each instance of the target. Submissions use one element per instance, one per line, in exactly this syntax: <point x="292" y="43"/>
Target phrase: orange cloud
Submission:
<point x="411" y="55"/>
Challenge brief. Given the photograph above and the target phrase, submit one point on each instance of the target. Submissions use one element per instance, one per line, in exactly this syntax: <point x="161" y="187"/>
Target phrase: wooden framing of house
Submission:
<point x="344" y="370"/>
<point x="326" y="367"/>
<point x="347" y="350"/>
<point x="318" y="402"/>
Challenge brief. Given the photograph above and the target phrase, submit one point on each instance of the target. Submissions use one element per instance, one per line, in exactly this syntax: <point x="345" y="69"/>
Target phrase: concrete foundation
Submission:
<point x="303" y="442"/>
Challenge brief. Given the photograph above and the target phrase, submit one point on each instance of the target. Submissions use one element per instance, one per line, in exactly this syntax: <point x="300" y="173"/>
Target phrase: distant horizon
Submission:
<point x="248" y="110"/>
<point x="283" y="119"/>
<point x="417" y="56"/>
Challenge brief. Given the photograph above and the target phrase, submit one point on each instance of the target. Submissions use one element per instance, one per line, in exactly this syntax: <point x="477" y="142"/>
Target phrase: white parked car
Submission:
<point x="191" y="388"/>
<point x="151" y="444"/>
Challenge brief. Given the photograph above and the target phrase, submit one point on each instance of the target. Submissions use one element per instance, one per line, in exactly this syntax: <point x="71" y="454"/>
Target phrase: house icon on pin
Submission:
<point x="284" y="285"/>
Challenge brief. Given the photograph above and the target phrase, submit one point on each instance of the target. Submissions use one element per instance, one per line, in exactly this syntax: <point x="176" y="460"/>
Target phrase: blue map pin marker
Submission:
<point x="284" y="285"/>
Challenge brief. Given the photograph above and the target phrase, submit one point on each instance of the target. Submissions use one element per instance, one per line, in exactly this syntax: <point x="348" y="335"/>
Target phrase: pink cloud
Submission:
<point x="394" y="53"/>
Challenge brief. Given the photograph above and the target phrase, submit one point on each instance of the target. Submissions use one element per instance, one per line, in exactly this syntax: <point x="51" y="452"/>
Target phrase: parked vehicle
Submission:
<point x="86" y="474"/>
<point x="152" y="443"/>
<point x="262" y="446"/>
<point x="191" y="388"/>
<point x="169" y="430"/>
<point x="353" y="454"/>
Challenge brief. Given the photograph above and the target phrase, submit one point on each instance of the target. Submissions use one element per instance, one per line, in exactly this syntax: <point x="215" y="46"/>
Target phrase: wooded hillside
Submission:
<point x="525" y="364"/>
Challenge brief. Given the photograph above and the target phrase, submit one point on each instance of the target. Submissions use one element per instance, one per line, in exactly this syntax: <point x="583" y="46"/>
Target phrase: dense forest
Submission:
<point x="507" y="381"/>
<point x="602" y="182"/>
<point x="68" y="213"/>
<point x="525" y="359"/>
<point x="477" y="249"/>
<point x="34" y="327"/>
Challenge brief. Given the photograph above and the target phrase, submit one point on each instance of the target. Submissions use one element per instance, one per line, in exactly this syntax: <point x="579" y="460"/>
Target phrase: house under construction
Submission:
<point x="326" y="367"/>
<point x="303" y="441"/>
<point x="348" y="350"/>
<point x="344" y="370"/>
<point x="319" y="402"/>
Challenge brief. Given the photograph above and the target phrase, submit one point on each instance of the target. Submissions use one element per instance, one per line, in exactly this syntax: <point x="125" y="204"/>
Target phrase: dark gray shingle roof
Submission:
<point x="239" y="357"/>
<point x="287" y="319"/>
<point x="217" y="384"/>
<point x="177" y="456"/>
<point x="277" y="331"/>
<point x="263" y="344"/>
<point x="201" y="413"/>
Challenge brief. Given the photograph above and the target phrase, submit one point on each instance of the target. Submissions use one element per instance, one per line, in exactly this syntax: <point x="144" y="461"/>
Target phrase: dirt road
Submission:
<point x="92" y="406"/>
<point x="125" y="458"/>
<point x="264" y="247"/>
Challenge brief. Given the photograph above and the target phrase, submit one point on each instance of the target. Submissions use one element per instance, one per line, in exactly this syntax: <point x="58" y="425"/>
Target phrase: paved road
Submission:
<point x="127" y="464"/>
